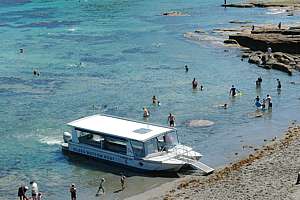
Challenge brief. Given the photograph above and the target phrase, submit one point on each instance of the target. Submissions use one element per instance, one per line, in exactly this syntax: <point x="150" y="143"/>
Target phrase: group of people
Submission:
<point x="35" y="194"/>
<point x="265" y="104"/>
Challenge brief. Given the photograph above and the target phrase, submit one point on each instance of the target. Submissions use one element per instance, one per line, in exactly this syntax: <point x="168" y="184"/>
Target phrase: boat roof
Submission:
<point x="120" y="127"/>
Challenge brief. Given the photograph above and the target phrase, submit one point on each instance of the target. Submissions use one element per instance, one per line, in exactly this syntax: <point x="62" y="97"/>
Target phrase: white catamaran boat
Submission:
<point x="131" y="143"/>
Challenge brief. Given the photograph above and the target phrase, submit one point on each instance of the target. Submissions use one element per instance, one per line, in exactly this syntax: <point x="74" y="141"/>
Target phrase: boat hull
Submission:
<point x="120" y="160"/>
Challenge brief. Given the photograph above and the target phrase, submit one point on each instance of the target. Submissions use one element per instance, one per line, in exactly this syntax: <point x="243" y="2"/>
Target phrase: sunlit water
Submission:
<point x="111" y="57"/>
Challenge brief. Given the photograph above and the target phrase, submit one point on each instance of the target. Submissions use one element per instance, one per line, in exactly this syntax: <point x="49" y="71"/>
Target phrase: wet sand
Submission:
<point x="268" y="173"/>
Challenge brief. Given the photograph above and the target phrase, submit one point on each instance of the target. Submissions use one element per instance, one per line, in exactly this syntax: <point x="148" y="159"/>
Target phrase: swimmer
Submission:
<point x="225" y="105"/>
<point x="158" y="103"/>
<point x="194" y="83"/>
<point x="154" y="100"/>
<point x="21" y="50"/>
<point x="186" y="68"/>
<point x="146" y="112"/>
<point x="201" y="87"/>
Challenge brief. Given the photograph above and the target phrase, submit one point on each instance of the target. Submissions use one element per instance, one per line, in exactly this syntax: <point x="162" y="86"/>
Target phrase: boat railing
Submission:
<point x="180" y="151"/>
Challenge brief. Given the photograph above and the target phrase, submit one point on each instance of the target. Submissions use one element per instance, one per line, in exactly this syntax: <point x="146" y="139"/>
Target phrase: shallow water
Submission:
<point x="111" y="57"/>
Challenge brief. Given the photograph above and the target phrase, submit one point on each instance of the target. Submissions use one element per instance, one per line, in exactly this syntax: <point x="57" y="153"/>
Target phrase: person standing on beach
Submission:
<point x="269" y="50"/>
<point x="278" y="84"/>
<point x="122" y="180"/>
<point x="22" y="192"/>
<point x="73" y="191"/>
<point x="101" y="187"/>
<point x="34" y="190"/>
<point x="194" y="83"/>
<point x="279" y="25"/>
<point x="171" y="120"/>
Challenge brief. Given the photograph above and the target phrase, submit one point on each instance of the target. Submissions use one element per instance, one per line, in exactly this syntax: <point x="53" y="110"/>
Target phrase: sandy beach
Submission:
<point x="268" y="173"/>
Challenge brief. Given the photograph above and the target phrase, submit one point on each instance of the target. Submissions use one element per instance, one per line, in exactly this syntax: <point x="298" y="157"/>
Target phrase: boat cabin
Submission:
<point x="123" y="136"/>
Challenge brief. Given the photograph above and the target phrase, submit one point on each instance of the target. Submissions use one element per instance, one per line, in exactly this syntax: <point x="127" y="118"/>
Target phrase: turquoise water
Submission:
<point x="111" y="57"/>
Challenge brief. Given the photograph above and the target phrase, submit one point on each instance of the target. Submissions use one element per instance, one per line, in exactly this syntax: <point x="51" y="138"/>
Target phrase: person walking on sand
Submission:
<point x="73" y="191"/>
<point x="194" y="83"/>
<point x="278" y="84"/>
<point x="122" y="180"/>
<point x="101" y="187"/>
<point x="171" y="120"/>
<point x="22" y="192"/>
<point x="34" y="190"/>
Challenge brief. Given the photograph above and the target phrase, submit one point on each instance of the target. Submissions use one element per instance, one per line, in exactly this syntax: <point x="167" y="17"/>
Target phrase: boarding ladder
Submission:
<point x="196" y="164"/>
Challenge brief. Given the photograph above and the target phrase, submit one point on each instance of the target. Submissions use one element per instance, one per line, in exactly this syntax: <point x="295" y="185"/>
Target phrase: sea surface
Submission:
<point x="111" y="57"/>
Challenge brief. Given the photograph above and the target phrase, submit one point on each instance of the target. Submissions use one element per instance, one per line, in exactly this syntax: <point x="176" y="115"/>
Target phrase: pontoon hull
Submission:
<point x="123" y="160"/>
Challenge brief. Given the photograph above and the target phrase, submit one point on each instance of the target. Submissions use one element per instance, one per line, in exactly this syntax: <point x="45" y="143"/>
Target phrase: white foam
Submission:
<point x="72" y="29"/>
<point x="276" y="11"/>
<point x="50" y="141"/>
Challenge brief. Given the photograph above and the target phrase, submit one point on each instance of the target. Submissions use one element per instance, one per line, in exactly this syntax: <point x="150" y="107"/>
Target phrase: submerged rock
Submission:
<point x="200" y="123"/>
<point x="239" y="5"/>
<point x="174" y="14"/>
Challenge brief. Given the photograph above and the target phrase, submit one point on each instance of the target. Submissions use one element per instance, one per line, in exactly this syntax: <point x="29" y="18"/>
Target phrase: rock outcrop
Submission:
<point x="284" y="44"/>
<point x="174" y="14"/>
<point x="278" y="60"/>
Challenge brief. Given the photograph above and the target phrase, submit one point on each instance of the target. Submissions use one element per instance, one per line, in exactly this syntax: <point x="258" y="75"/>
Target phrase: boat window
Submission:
<point x="138" y="148"/>
<point x="167" y="141"/>
<point x="171" y="138"/>
<point x="115" y="145"/>
<point x="151" y="146"/>
<point x="90" y="139"/>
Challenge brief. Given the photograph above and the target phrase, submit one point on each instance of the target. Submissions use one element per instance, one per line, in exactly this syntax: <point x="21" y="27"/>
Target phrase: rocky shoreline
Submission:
<point x="265" y="4"/>
<point x="268" y="173"/>
<point x="284" y="45"/>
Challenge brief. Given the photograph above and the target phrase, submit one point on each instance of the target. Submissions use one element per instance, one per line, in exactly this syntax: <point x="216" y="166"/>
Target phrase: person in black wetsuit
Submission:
<point x="194" y="83"/>
<point x="232" y="91"/>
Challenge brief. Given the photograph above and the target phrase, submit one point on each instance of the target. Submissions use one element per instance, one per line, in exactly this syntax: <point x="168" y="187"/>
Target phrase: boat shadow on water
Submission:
<point x="112" y="167"/>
